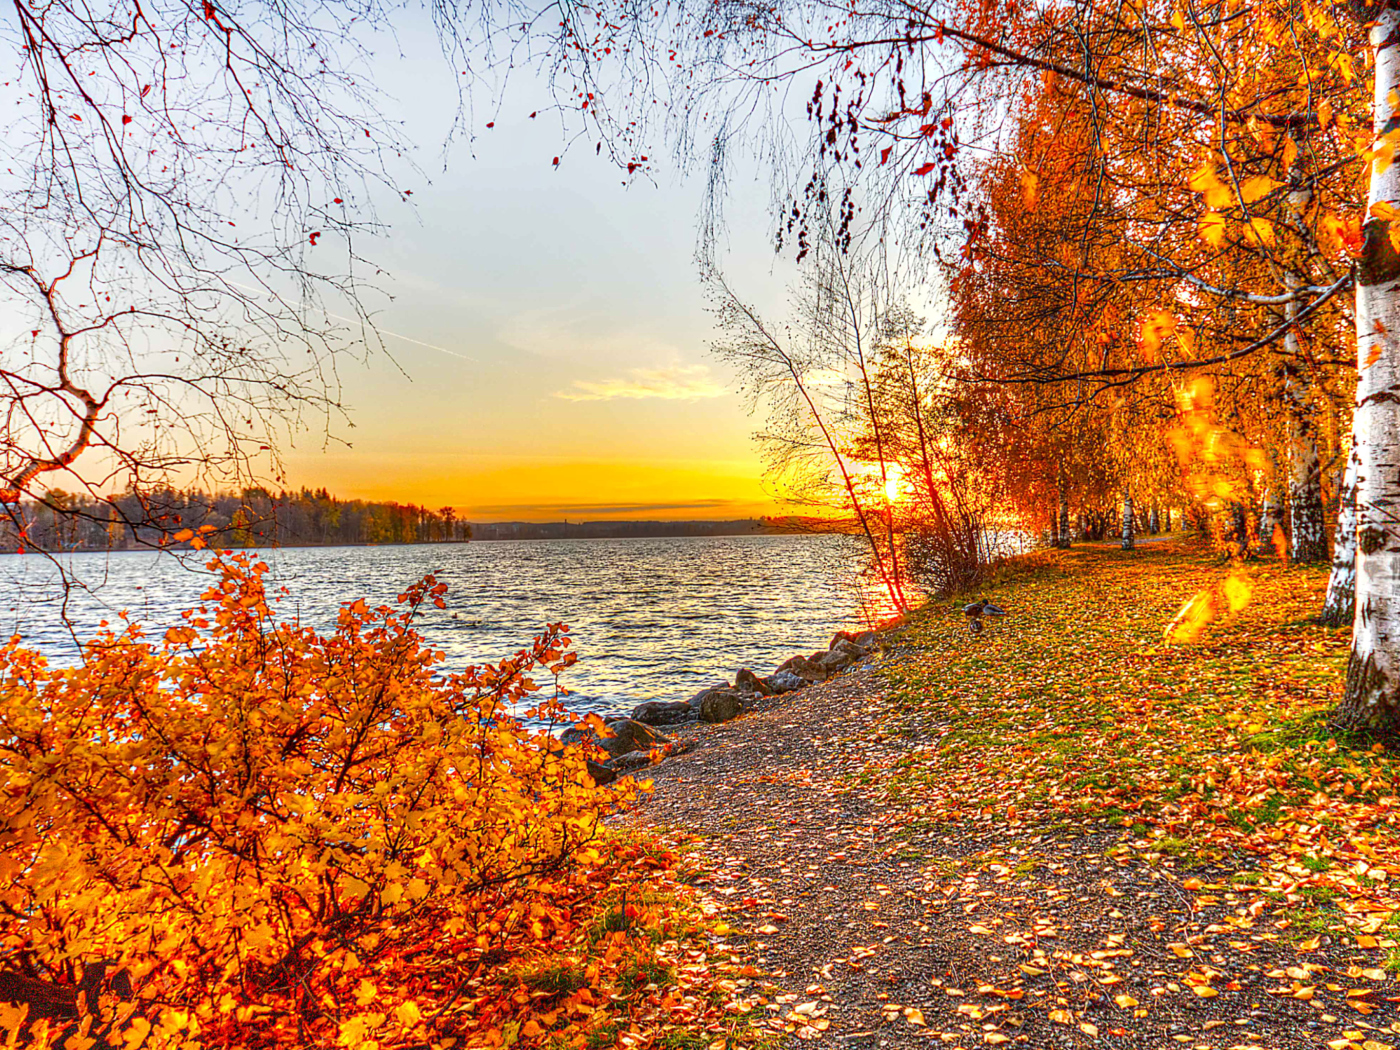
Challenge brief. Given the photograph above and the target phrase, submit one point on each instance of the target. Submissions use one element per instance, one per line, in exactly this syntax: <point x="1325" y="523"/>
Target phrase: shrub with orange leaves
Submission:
<point x="257" y="827"/>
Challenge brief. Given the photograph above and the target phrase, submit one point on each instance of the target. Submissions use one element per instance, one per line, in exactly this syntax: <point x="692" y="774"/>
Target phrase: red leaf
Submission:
<point x="314" y="236"/>
<point x="126" y="119"/>
<point x="923" y="169"/>
<point x="885" y="154"/>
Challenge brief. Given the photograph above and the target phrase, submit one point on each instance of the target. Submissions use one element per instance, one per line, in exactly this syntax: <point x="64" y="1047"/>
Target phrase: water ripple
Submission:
<point x="651" y="618"/>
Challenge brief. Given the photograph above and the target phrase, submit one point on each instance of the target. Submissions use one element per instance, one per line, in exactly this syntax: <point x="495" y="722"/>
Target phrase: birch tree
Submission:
<point x="1372" y="697"/>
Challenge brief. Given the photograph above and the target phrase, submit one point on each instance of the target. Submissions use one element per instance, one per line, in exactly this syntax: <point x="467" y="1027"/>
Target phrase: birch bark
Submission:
<point x="1340" y="604"/>
<point x="1372" y="697"/>
<point x="1308" y="536"/>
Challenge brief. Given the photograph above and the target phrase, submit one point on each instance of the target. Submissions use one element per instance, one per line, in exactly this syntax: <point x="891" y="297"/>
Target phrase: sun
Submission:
<point x="895" y="488"/>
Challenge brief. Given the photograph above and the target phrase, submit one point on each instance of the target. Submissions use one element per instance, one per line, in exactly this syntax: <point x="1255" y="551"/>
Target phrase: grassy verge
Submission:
<point x="1074" y="716"/>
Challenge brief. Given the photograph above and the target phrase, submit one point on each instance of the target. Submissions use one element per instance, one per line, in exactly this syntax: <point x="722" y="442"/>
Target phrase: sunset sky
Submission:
<point x="549" y="331"/>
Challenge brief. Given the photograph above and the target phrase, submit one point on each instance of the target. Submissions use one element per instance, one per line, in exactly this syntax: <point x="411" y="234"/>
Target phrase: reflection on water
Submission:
<point x="651" y="618"/>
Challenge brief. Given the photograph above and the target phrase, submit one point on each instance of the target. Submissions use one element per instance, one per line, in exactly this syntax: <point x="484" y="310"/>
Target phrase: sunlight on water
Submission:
<point x="651" y="618"/>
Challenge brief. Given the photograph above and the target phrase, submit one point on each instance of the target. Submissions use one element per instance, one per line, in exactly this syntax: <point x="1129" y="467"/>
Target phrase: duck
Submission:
<point x="974" y="611"/>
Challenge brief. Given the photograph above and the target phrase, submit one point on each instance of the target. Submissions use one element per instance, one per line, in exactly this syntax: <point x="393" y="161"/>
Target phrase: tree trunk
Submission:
<point x="1372" y="697"/>
<point x="1268" y="520"/>
<point x="1309" y="536"/>
<point x="1065" y="536"/>
<point x="1340" y="604"/>
<point x="1167" y="518"/>
<point x="1127" y="518"/>
<point x="1239" y="529"/>
<point x="1154" y="521"/>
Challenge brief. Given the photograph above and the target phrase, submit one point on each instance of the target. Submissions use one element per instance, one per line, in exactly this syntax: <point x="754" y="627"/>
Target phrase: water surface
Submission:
<point x="651" y="618"/>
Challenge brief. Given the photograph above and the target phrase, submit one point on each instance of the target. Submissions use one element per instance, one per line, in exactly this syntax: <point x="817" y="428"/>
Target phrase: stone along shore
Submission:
<point x="633" y="741"/>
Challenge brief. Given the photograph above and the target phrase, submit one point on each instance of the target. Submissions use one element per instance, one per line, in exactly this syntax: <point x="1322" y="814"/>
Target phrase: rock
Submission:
<point x="721" y="705"/>
<point x="627" y="735"/>
<point x="844" y="653"/>
<point x="629" y="763"/>
<point x="784" y="682"/>
<point x="867" y="640"/>
<point x="804" y="667"/>
<point x="698" y="699"/>
<point x="846" y="638"/>
<point x="836" y="660"/>
<point x="849" y="645"/>
<point x="664" y="713"/>
<point x="577" y="735"/>
<point x="748" y="682"/>
<point x="601" y="774"/>
<point x="630" y="735"/>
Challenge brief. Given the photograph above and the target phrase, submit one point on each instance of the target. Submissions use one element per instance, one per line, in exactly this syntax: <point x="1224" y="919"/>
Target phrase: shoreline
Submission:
<point x="655" y="730"/>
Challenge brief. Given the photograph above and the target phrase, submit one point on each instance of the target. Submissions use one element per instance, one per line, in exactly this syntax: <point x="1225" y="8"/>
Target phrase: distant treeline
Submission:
<point x="599" y="530"/>
<point x="253" y="517"/>
<point x="259" y="517"/>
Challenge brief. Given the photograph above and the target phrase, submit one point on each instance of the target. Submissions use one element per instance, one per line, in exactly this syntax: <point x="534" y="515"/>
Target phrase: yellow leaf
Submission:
<point x="1213" y="227"/>
<point x="1258" y="187"/>
<point x="1030" y="188"/>
<point x="1237" y="592"/>
<point x="1261" y="232"/>
<point x="1384" y="210"/>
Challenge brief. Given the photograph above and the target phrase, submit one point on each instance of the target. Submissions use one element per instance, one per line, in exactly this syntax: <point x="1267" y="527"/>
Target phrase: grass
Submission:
<point x="556" y="978"/>
<point x="1075" y="714"/>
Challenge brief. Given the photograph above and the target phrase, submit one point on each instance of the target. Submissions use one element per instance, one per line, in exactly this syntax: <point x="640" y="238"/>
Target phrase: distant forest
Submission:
<point x="258" y="517"/>
<point x="254" y="517"/>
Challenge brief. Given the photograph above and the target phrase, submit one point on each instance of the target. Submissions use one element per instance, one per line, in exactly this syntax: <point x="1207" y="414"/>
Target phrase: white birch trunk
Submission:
<point x="1309" y="535"/>
<point x="1167" y="518"/>
<point x="1372" y="698"/>
<point x="1340" y="604"/>
<point x="1268" y="520"/>
<point x="1127" y="519"/>
<point x="1153" y="521"/>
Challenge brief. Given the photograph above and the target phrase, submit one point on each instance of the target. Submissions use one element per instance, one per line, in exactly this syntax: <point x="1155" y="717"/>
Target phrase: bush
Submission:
<point x="258" y="828"/>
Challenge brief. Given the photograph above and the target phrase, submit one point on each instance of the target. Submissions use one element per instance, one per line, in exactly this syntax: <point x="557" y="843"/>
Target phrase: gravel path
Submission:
<point x="886" y="932"/>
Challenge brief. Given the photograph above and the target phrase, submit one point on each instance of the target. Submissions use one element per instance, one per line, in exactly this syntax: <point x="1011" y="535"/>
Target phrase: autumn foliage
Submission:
<point x="253" y="834"/>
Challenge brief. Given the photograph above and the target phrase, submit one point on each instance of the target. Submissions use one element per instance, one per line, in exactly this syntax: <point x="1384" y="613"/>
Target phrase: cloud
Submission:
<point x="680" y="383"/>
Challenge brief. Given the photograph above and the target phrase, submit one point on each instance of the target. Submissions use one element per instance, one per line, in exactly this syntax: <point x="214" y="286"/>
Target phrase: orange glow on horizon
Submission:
<point x="540" y="489"/>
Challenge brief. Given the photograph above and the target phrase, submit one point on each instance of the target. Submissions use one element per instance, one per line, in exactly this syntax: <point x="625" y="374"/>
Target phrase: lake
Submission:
<point x="651" y="618"/>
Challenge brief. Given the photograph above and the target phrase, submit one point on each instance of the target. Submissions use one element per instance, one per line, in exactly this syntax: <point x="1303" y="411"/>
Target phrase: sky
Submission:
<point x="547" y="329"/>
